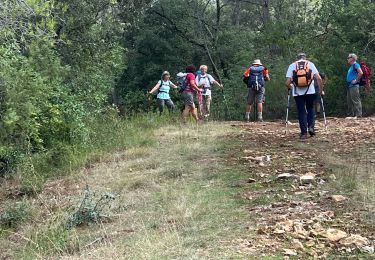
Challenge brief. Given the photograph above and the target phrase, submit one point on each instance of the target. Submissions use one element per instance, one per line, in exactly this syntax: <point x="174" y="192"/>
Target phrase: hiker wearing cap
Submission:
<point x="255" y="78"/>
<point x="188" y="94"/>
<point x="162" y="88"/>
<point x="204" y="81"/>
<point x="318" y="96"/>
<point x="300" y="76"/>
<point x="353" y="78"/>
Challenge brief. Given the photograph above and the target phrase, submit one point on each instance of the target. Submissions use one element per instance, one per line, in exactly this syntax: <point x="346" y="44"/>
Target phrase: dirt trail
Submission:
<point x="314" y="198"/>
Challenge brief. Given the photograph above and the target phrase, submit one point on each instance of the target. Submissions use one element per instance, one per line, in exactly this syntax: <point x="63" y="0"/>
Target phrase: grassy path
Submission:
<point x="200" y="192"/>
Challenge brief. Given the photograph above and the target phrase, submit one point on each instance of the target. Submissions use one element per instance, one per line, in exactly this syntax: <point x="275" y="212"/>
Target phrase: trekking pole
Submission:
<point x="324" y="113"/>
<point x="225" y="103"/>
<point x="287" y="112"/>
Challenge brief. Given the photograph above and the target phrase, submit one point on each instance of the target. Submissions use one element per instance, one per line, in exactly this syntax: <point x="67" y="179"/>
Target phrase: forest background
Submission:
<point x="71" y="71"/>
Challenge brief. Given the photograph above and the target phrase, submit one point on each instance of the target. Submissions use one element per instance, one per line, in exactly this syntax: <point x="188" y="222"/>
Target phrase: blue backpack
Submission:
<point x="182" y="82"/>
<point x="256" y="78"/>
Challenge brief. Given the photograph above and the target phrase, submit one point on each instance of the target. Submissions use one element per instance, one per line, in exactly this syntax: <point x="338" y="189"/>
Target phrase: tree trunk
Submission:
<point x="236" y="13"/>
<point x="266" y="11"/>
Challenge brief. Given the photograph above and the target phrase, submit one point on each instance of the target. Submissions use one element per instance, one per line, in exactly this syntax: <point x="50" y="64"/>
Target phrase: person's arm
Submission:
<point x="359" y="75"/>
<point x="157" y="86"/>
<point x="218" y="84"/>
<point x="194" y="86"/>
<point x="266" y="75"/>
<point x="289" y="79"/>
<point x="173" y="85"/>
<point x="288" y="83"/>
<point x="320" y="82"/>
<point x="213" y="81"/>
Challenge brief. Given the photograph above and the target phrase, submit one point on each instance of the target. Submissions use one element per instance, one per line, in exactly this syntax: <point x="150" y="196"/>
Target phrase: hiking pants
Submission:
<point x="205" y="105"/>
<point x="167" y="102"/>
<point x="305" y="107"/>
<point x="354" y="101"/>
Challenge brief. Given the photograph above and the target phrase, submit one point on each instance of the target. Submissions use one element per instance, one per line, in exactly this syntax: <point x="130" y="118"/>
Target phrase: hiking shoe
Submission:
<point x="311" y="131"/>
<point x="303" y="137"/>
<point x="260" y="119"/>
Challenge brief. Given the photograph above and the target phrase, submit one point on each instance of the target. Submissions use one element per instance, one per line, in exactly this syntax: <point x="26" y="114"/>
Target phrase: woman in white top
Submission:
<point x="162" y="88"/>
<point x="205" y="81"/>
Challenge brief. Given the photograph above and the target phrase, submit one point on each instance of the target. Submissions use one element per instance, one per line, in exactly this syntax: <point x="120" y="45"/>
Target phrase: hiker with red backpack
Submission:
<point x="204" y="81"/>
<point x="300" y="76"/>
<point x="255" y="78"/>
<point x="188" y="87"/>
<point x="358" y="75"/>
<point x="162" y="88"/>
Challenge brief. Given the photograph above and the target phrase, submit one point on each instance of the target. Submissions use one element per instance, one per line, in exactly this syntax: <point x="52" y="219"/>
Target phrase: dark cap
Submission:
<point x="301" y="55"/>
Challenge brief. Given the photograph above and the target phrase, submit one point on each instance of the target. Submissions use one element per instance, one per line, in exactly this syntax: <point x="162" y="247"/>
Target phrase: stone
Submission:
<point x="286" y="176"/>
<point x="251" y="180"/>
<point x="307" y="179"/>
<point x="356" y="240"/>
<point x="338" y="198"/>
<point x="299" y="229"/>
<point x="297" y="244"/>
<point x="368" y="249"/>
<point x="290" y="252"/>
<point x="334" y="235"/>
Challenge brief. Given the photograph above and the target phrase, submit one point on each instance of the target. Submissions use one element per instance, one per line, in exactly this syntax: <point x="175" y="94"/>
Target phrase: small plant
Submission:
<point x="92" y="210"/>
<point x="14" y="215"/>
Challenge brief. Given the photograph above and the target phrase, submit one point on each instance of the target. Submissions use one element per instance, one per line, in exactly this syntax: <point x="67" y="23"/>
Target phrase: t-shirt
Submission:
<point x="189" y="77"/>
<point x="207" y="80"/>
<point x="164" y="89"/>
<point x="302" y="91"/>
<point x="352" y="74"/>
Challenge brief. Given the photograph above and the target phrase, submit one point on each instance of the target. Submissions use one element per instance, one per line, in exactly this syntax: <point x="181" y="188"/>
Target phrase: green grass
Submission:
<point x="175" y="190"/>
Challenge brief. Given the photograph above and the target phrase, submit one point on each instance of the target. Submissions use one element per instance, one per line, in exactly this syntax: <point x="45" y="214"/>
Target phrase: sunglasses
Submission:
<point x="349" y="58"/>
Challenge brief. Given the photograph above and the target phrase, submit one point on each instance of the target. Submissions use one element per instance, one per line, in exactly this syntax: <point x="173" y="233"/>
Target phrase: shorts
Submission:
<point x="188" y="98"/>
<point x="254" y="95"/>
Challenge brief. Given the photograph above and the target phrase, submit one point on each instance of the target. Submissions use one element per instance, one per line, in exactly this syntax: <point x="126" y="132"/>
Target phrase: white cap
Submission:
<point x="257" y="62"/>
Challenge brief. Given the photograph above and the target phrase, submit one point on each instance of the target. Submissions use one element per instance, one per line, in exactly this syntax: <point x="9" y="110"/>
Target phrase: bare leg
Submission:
<point x="194" y="112"/>
<point x="185" y="113"/>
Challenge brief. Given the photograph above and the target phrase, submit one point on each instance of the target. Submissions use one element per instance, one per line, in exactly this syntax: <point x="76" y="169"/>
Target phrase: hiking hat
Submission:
<point x="301" y="55"/>
<point x="257" y="62"/>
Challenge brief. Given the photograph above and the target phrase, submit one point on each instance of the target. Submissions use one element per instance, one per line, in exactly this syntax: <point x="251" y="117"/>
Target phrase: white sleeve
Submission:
<point x="210" y="78"/>
<point x="289" y="73"/>
<point x="159" y="82"/>
<point x="197" y="80"/>
<point x="313" y="69"/>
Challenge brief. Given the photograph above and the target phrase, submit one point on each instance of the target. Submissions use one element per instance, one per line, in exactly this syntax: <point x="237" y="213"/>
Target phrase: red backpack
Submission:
<point x="365" y="79"/>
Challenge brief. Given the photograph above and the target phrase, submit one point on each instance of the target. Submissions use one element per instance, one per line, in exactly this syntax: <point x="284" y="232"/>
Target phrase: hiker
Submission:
<point x="163" y="86"/>
<point x="300" y="76"/>
<point x="318" y="96"/>
<point x="353" y="78"/>
<point x="204" y="81"/>
<point x="188" y="89"/>
<point x="255" y="78"/>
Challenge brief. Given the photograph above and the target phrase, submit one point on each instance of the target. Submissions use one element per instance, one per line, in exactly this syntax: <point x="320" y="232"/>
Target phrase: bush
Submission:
<point x="13" y="215"/>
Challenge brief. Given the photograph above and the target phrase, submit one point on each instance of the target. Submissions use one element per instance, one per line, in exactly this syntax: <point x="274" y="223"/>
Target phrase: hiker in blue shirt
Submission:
<point x="162" y="88"/>
<point x="352" y="79"/>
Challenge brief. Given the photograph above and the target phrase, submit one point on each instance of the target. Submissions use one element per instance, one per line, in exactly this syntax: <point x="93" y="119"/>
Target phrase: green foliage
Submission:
<point x="13" y="215"/>
<point x="92" y="209"/>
